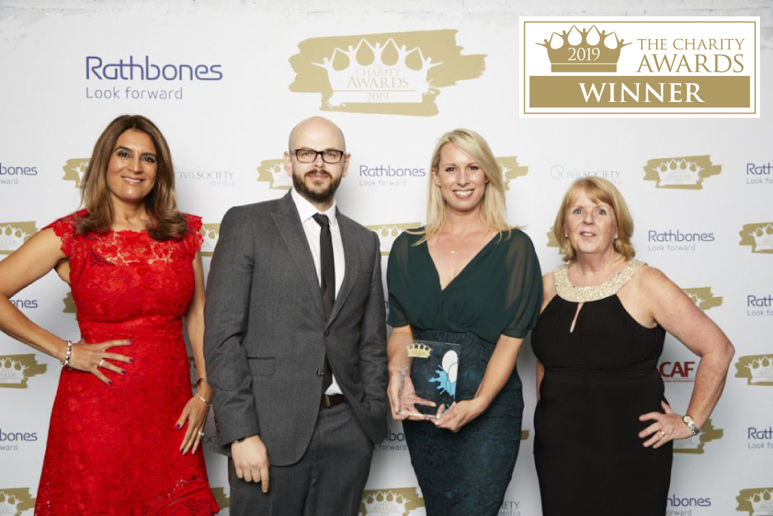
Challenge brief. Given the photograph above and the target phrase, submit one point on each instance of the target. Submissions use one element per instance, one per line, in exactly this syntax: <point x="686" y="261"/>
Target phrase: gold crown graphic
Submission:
<point x="279" y="177"/>
<point x="586" y="50"/>
<point x="763" y="237"/>
<point x="385" y="502"/>
<point x="9" y="504"/>
<point x="695" y="444"/>
<point x="12" y="372"/>
<point x="761" y="370"/>
<point x="703" y="297"/>
<point x="695" y="298"/>
<point x="678" y="172"/>
<point x="210" y="232"/>
<point x="762" y="502"/>
<point x="12" y="237"/>
<point x="387" y="235"/>
<point x="394" y="70"/>
<point x="418" y="350"/>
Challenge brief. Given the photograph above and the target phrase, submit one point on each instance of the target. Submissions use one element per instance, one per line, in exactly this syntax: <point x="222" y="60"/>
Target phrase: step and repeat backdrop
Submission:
<point x="226" y="83"/>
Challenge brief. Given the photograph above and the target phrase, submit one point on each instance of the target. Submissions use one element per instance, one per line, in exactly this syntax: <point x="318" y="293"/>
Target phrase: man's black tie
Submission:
<point x="328" y="281"/>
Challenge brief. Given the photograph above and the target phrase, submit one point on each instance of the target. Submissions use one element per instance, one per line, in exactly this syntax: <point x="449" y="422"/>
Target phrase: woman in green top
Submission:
<point x="467" y="277"/>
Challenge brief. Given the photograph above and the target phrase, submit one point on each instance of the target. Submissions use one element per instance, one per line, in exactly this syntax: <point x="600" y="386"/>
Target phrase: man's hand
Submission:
<point x="251" y="461"/>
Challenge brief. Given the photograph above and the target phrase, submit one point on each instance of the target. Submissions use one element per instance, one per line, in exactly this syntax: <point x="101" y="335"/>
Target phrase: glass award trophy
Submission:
<point x="434" y="370"/>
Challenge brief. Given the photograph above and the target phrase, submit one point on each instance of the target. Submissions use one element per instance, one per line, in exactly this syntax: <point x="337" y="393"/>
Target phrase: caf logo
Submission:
<point x="511" y="169"/>
<point x="390" y="502"/>
<point x="221" y="498"/>
<point x="210" y="232"/>
<point x="69" y="304"/>
<point x="757" y="502"/>
<point x="398" y="73"/>
<point x="759" y="236"/>
<point x="696" y="443"/>
<point x="387" y="233"/>
<point x="15" y="370"/>
<point x="13" y="502"/>
<point x="687" y="172"/>
<point x="703" y="298"/>
<point x="75" y="169"/>
<point x="272" y="171"/>
<point x="757" y="369"/>
<point x="14" y="234"/>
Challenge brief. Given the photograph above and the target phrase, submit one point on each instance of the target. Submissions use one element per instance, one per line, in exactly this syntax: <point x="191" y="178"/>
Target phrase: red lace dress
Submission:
<point x="113" y="449"/>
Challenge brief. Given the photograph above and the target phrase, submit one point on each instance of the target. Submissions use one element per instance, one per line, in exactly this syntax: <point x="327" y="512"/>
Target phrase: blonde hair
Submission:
<point x="493" y="207"/>
<point x="598" y="190"/>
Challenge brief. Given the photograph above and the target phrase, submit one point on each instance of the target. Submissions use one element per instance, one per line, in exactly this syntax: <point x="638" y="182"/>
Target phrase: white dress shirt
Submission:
<point x="312" y="229"/>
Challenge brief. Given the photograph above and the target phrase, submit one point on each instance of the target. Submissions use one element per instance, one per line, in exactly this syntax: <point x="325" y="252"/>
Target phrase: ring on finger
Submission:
<point x="662" y="433"/>
<point x="201" y="433"/>
<point x="101" y="362"/>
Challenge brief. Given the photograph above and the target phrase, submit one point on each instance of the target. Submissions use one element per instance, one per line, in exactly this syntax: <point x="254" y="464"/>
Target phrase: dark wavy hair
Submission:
<point x="161" y="203"/>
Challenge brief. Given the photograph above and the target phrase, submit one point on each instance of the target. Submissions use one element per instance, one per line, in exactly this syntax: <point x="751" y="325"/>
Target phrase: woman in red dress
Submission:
<point x="124" y="428"/>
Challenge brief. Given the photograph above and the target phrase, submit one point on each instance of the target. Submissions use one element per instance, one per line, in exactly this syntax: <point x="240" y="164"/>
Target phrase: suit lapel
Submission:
<point x="351" y="259"/>
<point x="288" y="222"/>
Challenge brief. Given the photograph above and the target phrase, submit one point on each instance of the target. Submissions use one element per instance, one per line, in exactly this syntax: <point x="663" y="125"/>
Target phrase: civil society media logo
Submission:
<point x="147" y="78"/>
<point x="685" y="173"/>
<point x="395" y="501"/>
<point x="759" y="236"/>
<point x="16" y="370"/>
<point x="14" y="234"/>
<point x="15" y="501"/>
<point x="400" y="73"/>
<point x="696" y="443"/>
<point x="755" y="501"/>
<point x="756" y="369"/>
<point x="639" y="67"/>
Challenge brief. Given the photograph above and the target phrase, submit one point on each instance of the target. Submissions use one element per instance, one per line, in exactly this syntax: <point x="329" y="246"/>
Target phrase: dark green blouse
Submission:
<point x="498" y="292"/>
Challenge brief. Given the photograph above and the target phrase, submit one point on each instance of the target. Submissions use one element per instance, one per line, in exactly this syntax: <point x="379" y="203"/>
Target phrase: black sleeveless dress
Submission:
<point x="598" y="380"/>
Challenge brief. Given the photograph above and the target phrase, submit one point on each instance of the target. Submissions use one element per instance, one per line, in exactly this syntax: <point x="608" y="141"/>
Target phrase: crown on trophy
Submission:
<point x="678" y="172"/>
<point x="763" y="237"/>
<point x="12" y="371"/>
<point x="417" y="350"/>
<point x="9" y="504"/>
<point x="586" y="50"/>
<point x="762" y="502"/>
<point x="761" y="370"/>
<point x="279" y="177"/>
<point x="402" y="79"/>
<point x="11" y="237"/>
<point x="385" y="502"/>
<point x="210" y="236"/>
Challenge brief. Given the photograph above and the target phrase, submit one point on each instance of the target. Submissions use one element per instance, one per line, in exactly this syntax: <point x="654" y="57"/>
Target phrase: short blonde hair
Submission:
<point x="598" y="190"/>
<point x="493" y="206"/>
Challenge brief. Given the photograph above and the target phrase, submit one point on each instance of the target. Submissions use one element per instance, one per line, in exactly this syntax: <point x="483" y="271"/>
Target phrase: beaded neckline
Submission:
<point x="569" y="292"/>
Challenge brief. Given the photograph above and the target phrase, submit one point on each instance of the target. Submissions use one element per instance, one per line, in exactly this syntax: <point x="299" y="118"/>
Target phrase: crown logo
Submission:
<point x="686" y="172"/>
<point x="16" y="369"/>
<point x="582" y="51"/>
<point x="703" y="298"/>
<point x="388" y="233"/>
<point x="14" y="234"/>
<point x="418" y="350"/>
<point x="221" y="498"/>
<point x="377" y="73"/>
<point x="384" y="502"/>
<point x="510" y="169"/>
<point x="696" y="443"/>
<point x="69" y="304"/>
<point x="272" y="171"/>
<point x="757" y="369"/>
<point x="13" y="502"/>
<point x="9" y="504"/>
<point x="762" y="503"/>
<point x="763" y="238"/>
<point x="210" y="233"/>
<point x="75" y="169"/>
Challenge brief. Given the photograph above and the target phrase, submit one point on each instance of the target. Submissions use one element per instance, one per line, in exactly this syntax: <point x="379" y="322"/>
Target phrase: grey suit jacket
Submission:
<point x="266" y="334"/>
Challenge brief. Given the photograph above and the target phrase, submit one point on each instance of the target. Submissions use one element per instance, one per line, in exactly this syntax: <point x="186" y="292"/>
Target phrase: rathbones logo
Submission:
<point x="558" y="171"/>
<point x="69" y="304"/>
<point x="759" y="236"/>
<point x="210" y="232"/>
<point x="696" y="443"/>
<point x="678" y="371"/>
<point x="390" y="502"/>
<point x="15" y="370"/>
<point x="756" y="502"/>
<point x="391" y="73"/>
<point x="387" y="233"/>
<point x="14" y="234"/>
<point x="703" y="298"/>
<point x="639" y="67"/>
<point x="10" y="173"/>
<point x="757" y="369"/>
<point x="15" y="501"/>
<point x="147" y="69"/>
<point x="676" y="240"/>
<point x="757" y="306"/>
<point x="25" y="303"/>
<point x="687" y="172"/>
<point x="388" y="175"/>
<point x="9" y="439"/>
<point x="678" y="502"/>
<point x="75" y="169"/>
<point x="272" y="171"/>
<point x="759" y="174"/>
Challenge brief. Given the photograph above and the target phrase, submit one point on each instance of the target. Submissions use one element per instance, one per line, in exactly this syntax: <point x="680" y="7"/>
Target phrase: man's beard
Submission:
<point x="318" y="196"/>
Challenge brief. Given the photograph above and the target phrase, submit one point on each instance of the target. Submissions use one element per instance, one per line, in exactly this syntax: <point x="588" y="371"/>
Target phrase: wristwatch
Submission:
<point x="691" y="424"/>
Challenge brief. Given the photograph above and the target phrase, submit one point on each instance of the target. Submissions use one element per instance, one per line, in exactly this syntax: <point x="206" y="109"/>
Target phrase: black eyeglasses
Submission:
<point x="331" y="156"/>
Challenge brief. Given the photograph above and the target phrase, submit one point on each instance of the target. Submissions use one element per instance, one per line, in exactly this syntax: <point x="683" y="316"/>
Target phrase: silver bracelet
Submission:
<point x="67" y="355"/>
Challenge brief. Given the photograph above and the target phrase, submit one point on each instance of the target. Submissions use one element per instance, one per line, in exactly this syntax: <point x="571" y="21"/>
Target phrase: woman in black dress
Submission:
<point x="470" y="279"/>
<point x="603" y="429"/>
